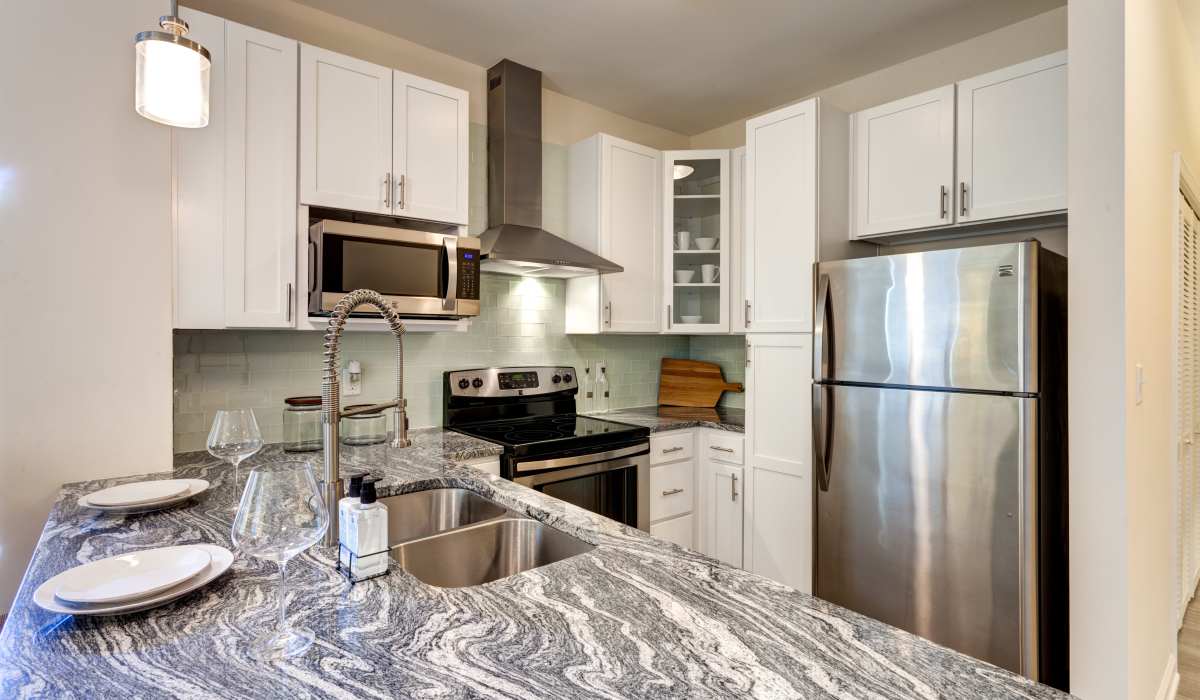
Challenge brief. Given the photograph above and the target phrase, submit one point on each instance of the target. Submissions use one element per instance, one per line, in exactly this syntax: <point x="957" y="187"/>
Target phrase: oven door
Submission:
<point x="420" y="273"/>
<point x="615" y="484"/>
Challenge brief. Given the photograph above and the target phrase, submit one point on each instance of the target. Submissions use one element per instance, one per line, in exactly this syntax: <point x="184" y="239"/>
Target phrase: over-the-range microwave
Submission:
<point x="433" y="275"/>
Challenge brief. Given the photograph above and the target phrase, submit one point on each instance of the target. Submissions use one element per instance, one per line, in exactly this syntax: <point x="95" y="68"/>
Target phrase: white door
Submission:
<point x="630" y="236"/>
<point x="430" y="144"/>
<point x="725" y="517"/>
<point x="903" y="164"/>
<point x="781" y="219"/>
<point x="739" y="311"/>
<point x="345" y="132"/>
<point x="1012" y="141"/>
<point x="260" y="178"/>
<point x="696" y="241"/>
<point x="778" y="538"/>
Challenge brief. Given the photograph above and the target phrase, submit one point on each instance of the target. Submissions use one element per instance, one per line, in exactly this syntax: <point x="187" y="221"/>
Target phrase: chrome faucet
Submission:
<point x="331" y="396"/>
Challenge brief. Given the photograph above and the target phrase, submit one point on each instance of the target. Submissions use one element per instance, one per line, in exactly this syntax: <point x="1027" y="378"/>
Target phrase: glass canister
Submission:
<point x="364" y="428"/>
<point x="302" y="424"/>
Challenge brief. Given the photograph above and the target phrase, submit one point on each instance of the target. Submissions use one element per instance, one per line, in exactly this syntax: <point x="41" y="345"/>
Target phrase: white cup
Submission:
<point x="683" y="240"/>
<point x="710" y="273"/>
<point x="684" y="276"/>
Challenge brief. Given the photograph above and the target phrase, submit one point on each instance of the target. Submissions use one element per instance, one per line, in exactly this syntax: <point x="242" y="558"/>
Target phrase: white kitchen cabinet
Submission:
<point x="696" y="241"/>
<point x="614" y="210"/>
<point x="430" y="149"/>
<point x="677" y="530"/>
<point x="721" y="510"/>
<point x="235" y="185"/>
<point x="260" y="178"/>
<point x="739" y="310"/>
<point x="673" y="483"/>
<point x="345" y="132"/>
<point x="1012" y="141"/>
<point x="903" y="156"/>
<point x="778" y="462"/>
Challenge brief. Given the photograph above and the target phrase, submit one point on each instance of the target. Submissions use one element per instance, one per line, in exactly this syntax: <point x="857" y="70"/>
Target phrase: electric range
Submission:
<point x="597" y="464"/>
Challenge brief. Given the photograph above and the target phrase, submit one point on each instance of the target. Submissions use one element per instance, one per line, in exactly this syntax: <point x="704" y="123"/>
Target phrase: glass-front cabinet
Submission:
<point x="697" y="242"/>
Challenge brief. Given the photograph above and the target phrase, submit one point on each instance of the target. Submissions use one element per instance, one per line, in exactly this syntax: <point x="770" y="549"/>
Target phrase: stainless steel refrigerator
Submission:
<point x="940" y="448"/>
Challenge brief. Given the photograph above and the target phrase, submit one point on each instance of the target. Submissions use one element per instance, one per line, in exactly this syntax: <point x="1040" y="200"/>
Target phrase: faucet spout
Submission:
<point x="331" y="395"/>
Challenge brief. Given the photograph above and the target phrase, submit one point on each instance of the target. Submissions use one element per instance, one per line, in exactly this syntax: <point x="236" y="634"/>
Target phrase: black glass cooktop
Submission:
<point x="547" y="433"/>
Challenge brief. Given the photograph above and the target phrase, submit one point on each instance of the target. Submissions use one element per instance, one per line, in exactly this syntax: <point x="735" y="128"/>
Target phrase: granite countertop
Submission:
<point x="635" y="617"/>
<point x="662" y="418"/>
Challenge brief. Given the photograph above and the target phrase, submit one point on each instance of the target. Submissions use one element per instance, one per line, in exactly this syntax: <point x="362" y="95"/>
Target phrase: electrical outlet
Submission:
<point x="352" y="379"/>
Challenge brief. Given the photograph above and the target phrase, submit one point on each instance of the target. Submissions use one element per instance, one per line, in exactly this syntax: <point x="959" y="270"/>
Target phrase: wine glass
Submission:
<point x="233" y="438"/>
<point x="281" y="514"/>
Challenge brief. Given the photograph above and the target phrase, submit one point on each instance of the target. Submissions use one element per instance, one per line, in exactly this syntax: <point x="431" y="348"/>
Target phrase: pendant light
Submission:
<point x="172" y="75"/>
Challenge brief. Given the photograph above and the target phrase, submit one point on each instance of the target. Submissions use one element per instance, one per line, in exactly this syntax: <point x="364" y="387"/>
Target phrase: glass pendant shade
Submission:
<point x="172" y="76"/>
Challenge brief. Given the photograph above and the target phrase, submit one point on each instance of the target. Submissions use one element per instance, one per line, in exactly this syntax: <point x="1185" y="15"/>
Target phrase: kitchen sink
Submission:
<point x="412" y="516"/>
<point x="486" y="552"/>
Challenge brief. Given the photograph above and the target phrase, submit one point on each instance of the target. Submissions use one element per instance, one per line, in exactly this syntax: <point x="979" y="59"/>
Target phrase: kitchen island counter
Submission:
<point x="635" y="617"/>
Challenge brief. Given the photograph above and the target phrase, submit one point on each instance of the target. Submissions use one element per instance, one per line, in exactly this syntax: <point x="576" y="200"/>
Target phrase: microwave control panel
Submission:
<point x="468" y="273"/>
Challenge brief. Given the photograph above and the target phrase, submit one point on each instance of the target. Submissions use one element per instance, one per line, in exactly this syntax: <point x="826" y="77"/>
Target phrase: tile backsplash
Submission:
<point x="521" y="323"/>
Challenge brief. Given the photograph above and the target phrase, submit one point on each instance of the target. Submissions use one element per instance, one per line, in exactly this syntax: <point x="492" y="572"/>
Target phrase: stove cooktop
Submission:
<point x="545" y="434"/>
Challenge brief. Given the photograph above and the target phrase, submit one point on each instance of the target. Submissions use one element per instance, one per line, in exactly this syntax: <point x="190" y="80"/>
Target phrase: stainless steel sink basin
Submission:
<point x="486" y="552"/>
<point x="412" y="516"/>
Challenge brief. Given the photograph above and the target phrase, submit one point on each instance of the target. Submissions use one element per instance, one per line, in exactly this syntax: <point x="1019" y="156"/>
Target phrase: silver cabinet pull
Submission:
<point x="401" y="185"/>
<point x="669" y="450"/>
<point x="668" y="317"/>
<point x="747" y="353"/>
<point x="387" y="190"/>
<point x="747" y="314"/>
<point x="962" y="199"/>
<point x="721" y="449"/>
<point x="672" y="492"/>
<point x="608" y="314"/>
<point x="288" y="301"/>
<point x="942" y="195"/>
<point x="733" y="492"/>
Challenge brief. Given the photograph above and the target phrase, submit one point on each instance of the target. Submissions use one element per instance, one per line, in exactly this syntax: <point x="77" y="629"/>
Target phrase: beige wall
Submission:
<point x="1036" y="36"/>
<point x="85" y="263"/>
<point x="565" y="120"/>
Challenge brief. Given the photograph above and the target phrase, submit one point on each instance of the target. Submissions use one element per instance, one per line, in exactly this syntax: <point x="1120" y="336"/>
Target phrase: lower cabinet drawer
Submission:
<point x="678" y="530"/>
<point x="671" y="488"/>
<point x="724" y="446"/>
<point x="671" y="447"/>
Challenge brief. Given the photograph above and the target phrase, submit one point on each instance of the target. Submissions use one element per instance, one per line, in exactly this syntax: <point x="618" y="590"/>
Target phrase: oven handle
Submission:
<point x="450" y="303"/>
<point x="581" y="459"/>
<point x="575" y="472"/>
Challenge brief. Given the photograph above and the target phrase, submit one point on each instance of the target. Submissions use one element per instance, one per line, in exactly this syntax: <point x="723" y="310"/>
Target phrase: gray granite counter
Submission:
<point x="635" y="617"/>
<point x="662" y="418"/>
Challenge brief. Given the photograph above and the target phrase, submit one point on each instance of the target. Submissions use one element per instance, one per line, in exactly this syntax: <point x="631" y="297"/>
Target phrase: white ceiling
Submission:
<point x="688" y="65"/>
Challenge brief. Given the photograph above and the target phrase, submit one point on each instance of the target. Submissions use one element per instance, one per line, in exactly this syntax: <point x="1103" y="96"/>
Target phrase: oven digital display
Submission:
<point x="518" y="380"/>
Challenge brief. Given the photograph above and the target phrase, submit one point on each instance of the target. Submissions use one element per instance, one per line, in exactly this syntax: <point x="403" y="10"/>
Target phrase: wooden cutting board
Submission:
<point x="692" y="383"/>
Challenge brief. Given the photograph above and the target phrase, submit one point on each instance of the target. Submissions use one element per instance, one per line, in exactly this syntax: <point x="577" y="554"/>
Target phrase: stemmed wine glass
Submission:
<point x="234" y="437"/>
<point x="281" y="514"/>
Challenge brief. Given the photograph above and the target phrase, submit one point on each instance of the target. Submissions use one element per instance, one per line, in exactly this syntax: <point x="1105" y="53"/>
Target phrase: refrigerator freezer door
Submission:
<point x="953" y="318"/>
<point x="921" y="520"/>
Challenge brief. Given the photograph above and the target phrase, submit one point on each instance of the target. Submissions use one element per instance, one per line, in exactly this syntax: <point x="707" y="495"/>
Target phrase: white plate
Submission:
<point x="127" y="577"/>
<point x="195" y="488"/>
<point x="138" y="493"/>
<point x="222" y="559"/>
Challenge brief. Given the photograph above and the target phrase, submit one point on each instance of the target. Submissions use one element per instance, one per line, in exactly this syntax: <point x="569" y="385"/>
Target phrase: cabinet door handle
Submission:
<point x="747" y="316"/>
<point x="733" y="492"/>
<point x="962" y="199"/>
<point x="669" y="450"/>
<point x="668" y="317"/>
<point x="672" y="492"/>
<point x="747" y="354"/>
<point x="401" y="185"/>
<point x="387" y="190"/>
<point x="942" y="195"/>
<point x="608" y="314"/>
<point x="288" y="302"/>
<point x="721" y="449"/>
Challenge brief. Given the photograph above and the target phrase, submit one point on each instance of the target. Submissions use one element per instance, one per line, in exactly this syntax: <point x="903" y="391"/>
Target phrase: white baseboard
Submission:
<point x="1170" y="680"/>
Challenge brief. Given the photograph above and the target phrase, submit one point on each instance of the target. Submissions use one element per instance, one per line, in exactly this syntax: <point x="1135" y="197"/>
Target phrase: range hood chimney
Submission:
<point x="515" y="242"/>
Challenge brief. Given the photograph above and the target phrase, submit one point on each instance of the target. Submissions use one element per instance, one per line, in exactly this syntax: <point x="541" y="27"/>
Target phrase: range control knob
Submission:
<point x="463" y="384"/>
<point x="556" y="379"/>
<point x="477" y="382"/>
<point x="567" y="378"/>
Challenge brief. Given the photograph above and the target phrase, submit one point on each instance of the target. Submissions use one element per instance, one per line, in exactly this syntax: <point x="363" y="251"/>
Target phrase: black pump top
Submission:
<point x="367" y="494"/>
<point x="356" y="482"/>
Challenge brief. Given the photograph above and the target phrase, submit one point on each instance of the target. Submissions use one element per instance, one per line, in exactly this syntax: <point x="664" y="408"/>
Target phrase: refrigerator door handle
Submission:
<point x="822" y="332"/>
<point x="822" y="424"/>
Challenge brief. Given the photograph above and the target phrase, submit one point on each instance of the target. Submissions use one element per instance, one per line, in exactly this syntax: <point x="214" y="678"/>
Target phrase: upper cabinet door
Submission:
<point x="696" y="241"/>
<point x="430" y="143"/>
<point x="345" y="132"/>
<point x="1012" y="141"/>
<point x="630" y="236"/>
<point x="739" y="310"/>
<point x="781" y="219"/>
<point x="260" y="178"/>
<point x="903" y="162"/>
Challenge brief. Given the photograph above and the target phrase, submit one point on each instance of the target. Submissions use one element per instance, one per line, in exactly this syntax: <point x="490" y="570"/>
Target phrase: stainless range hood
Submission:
<point x="515" y="242"/>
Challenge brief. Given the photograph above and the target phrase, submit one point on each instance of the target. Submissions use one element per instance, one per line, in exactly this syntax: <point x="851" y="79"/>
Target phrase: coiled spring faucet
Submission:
<point x="331" y="396"/>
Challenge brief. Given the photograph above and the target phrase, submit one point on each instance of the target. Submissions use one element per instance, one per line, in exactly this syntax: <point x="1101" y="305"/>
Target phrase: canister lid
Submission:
<point x="306" y="401"/>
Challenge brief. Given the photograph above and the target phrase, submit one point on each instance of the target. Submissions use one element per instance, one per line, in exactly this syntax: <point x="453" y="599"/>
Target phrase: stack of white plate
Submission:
<point x="131" y="582"/>
<point x="143" y="496"/>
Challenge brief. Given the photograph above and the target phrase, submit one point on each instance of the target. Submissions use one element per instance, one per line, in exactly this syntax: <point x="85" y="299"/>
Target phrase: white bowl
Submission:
<point x="684" y="276"/>
<point x="706" y="243"/>
<point x="689" y="319"/>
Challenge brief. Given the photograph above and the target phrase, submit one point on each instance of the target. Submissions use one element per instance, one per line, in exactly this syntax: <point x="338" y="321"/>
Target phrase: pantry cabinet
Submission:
<point x="696" y="241"/>
<point x="382" y="141"/>
<point x="739" y="309"/>
<point x="614" y="210"/>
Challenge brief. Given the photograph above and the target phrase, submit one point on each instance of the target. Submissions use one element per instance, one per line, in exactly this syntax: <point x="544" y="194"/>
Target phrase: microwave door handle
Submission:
<point x="450" y="302"/>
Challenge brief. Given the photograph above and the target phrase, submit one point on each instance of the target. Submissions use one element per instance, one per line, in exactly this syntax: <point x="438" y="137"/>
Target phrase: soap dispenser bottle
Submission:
<point x="348" y="502"/>
<point x="367" y="533"/>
